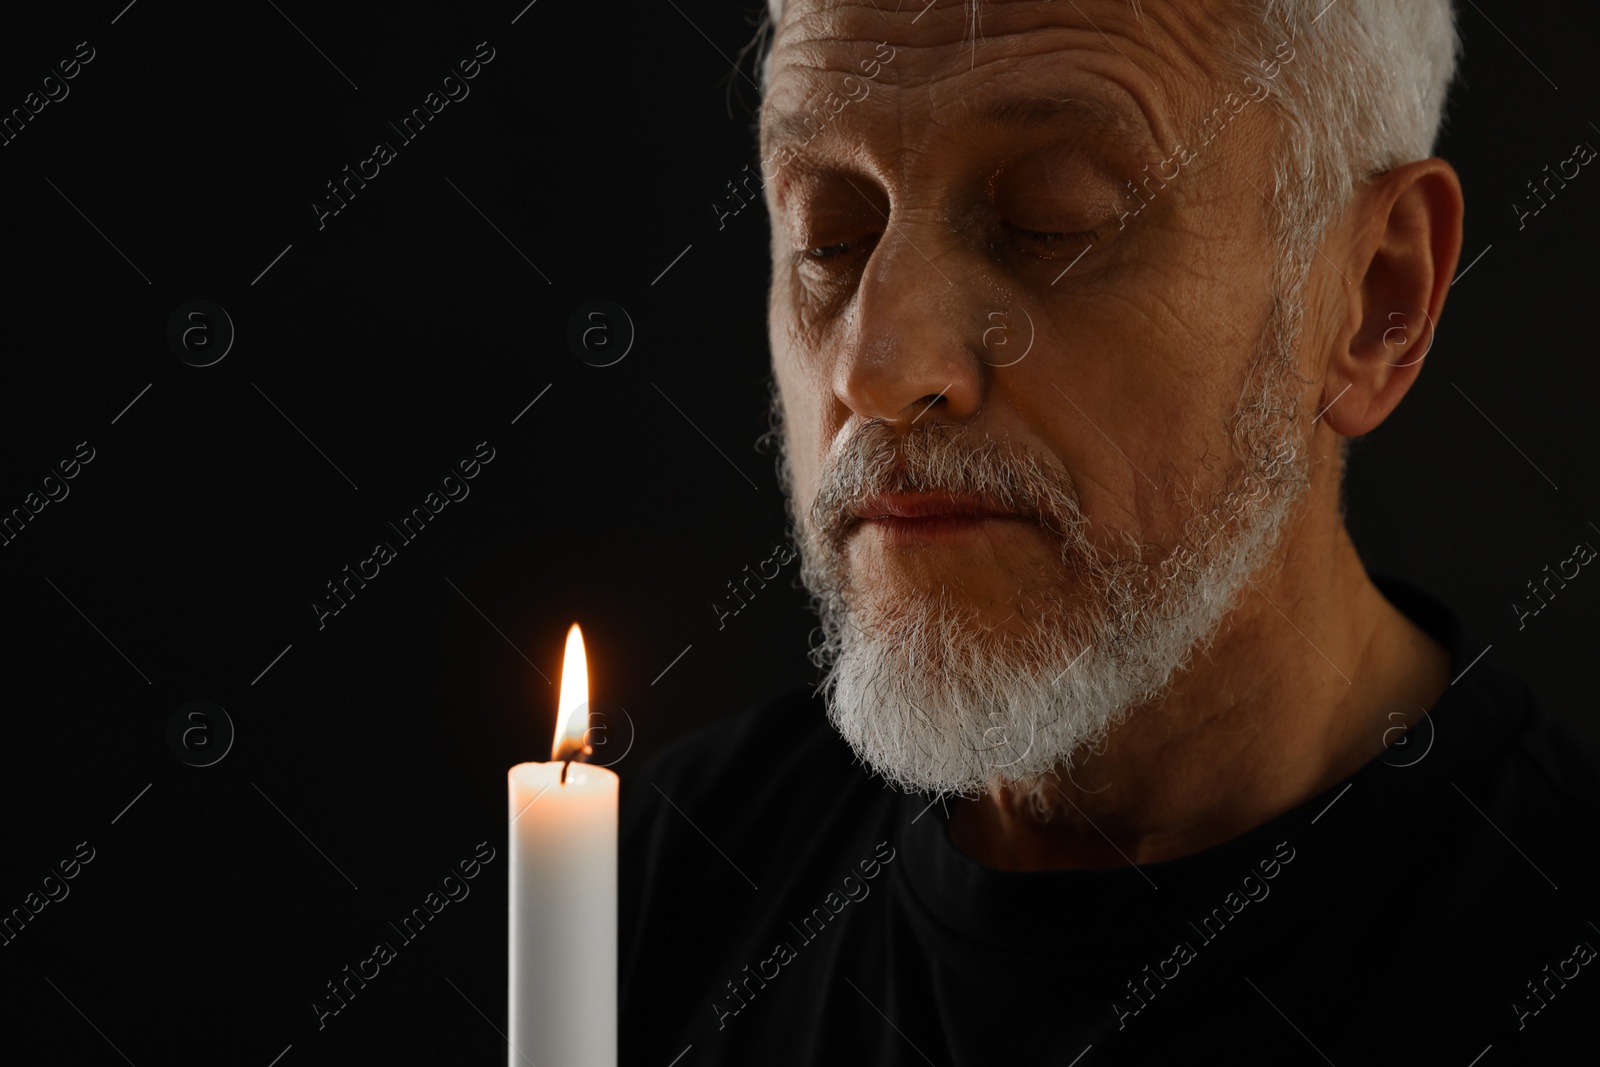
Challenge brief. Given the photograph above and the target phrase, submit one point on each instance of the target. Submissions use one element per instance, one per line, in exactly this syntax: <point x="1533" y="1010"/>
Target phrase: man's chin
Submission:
<point x="938" y="754"/>
<point x="994" y="575"/>
<point x="935" y="695"/>
<point x="939" y="628"/>
<point x="1022" y="609"/>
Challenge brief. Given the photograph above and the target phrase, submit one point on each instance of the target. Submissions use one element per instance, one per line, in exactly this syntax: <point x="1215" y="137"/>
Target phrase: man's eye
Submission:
<point x="1038" y="243"/>
<point x="1052" y="245"/>
<point x="829" y="251"/>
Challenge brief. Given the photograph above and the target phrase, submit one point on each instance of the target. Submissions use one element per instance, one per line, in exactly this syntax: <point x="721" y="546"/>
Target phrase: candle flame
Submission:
<point x="572" y="713"/>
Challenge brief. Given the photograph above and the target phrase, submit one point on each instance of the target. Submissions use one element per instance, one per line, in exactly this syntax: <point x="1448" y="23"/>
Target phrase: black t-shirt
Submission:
<point x="782" y="906"/>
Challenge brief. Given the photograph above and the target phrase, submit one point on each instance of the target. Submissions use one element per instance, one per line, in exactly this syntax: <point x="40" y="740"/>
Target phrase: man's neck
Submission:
<point x="1307" y="675"/>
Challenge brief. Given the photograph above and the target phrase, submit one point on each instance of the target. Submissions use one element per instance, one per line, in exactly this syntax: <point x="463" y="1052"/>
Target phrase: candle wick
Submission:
<point x="564" y="765"/>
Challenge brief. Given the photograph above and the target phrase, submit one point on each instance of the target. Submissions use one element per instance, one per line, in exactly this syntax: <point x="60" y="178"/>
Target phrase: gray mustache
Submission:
<point x="876" y="459"/>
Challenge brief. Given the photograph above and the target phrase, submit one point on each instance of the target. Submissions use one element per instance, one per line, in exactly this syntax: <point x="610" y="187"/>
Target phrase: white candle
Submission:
<point x="563" y="900"/>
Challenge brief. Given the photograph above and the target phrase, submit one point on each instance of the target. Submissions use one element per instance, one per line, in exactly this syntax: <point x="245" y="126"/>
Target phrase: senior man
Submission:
<point x="1120" y="754"/>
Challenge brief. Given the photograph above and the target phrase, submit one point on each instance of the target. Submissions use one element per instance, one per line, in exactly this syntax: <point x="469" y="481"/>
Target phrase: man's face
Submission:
<point x="973" y="313"/>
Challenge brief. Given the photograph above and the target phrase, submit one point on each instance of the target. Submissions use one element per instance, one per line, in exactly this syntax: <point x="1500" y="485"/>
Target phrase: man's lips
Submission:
<point x="922" y="519"/>
<point x="930" y="506"/>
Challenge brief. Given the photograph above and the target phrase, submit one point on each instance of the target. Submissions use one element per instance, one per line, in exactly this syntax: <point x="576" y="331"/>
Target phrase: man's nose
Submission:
<point x="912" y="351"/>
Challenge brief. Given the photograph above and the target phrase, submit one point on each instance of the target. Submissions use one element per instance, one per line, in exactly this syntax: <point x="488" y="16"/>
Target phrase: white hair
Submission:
<point x="1368" y="95"/>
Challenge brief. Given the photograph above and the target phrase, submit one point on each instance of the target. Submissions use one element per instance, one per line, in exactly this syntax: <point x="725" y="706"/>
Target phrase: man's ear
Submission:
<point x="1404" y="249"/>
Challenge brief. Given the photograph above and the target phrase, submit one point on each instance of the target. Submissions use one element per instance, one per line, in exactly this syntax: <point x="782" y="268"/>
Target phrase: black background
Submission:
<point x="379" y="350"/>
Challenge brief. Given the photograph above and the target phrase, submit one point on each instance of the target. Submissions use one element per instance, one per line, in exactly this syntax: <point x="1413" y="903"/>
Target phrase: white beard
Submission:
<point x="933" y="700"/>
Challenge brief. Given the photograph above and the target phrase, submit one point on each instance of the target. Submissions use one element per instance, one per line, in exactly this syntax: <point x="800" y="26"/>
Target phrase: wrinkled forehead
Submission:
<point x="947" y="54"/>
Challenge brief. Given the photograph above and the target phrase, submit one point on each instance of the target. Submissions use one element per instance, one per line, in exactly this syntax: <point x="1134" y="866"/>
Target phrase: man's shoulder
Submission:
<point x="1566" y="765"/>
<point x="1515" y="743"/>
<point x="1530" y="778"/>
